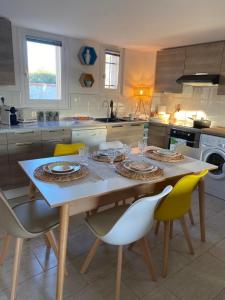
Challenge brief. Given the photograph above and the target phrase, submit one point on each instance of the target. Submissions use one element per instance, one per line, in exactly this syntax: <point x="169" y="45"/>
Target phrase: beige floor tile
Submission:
<point x="160" y="293"/>
<point x="203" y="279"/>
<point x="219" y="250"/>
<point x="43" y="286"/>
<point x="46" y="257"/>
<point x="103" y="263"/>
<point x="220" y="296"/>
<point x="29" y="268"/>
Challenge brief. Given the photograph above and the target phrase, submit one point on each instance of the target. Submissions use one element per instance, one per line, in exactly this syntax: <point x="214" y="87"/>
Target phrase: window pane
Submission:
<point x="112" y="61"/>
<point x="44" y="70"/>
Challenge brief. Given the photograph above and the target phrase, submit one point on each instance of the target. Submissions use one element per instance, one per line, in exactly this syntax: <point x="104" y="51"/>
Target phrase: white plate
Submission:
<point x="165" y="152"/>
<point x="62" y="168"/>
<point x="128" y="165"/>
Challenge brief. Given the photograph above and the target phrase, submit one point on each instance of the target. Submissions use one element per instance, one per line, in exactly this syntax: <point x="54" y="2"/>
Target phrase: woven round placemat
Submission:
<point x="138" y="175"/>
<point x="106" y="159"/>
<point x="40" y="174"/>
<point x="176" y="158"/>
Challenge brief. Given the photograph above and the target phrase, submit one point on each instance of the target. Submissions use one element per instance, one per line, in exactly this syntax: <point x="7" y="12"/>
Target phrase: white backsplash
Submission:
<point x="196" y="99"/>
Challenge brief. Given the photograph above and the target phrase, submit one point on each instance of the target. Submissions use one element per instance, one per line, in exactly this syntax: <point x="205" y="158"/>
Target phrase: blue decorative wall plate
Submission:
<point x="87" y="55"/>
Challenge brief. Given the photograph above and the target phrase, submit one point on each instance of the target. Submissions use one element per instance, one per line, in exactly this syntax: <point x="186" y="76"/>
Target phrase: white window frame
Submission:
<point x="120" y="77"/>
<point x="42" y="103"/>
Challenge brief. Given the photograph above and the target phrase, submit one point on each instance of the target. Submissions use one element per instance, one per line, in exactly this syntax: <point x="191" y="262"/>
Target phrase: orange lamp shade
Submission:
<point x="142" y="91"/>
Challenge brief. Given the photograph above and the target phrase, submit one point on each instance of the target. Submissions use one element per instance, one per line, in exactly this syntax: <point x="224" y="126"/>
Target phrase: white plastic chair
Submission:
<point x="123" y="225"/>
<point x="110" y="145"/>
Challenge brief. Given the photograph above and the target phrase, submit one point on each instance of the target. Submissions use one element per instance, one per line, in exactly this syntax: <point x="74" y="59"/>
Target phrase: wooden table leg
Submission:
<point x="201" y="193"/>
<point x="63" y="235"/>
<point x="32" y="190"/>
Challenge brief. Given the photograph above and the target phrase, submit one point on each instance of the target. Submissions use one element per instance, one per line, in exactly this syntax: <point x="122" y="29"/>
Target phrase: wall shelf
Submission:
<point x="86" y="80"/>
<point x="87" y="55"/>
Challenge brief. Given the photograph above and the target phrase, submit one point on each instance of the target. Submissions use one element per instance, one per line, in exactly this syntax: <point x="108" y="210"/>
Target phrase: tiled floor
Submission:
<point x="198" y="277"/>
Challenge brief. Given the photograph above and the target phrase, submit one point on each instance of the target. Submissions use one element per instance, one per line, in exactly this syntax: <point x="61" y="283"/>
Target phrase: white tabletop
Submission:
<point x="102" y="178"/>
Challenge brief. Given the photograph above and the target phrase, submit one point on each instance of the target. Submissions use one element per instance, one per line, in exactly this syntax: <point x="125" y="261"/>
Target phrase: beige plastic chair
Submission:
<point x="26" y="220"/>
<point x="123" y="225"/>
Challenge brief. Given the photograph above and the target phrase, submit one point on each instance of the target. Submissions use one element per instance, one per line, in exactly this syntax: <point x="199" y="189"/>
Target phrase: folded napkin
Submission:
<point x="110" y="145"/>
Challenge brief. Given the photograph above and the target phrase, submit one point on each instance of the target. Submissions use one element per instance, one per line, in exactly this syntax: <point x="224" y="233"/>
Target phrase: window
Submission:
<point x="44" y="68"/>
<point x="112" y="69"/>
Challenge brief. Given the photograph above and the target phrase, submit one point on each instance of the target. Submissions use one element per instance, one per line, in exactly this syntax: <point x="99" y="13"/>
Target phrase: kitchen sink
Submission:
<point x="107" y="120"/>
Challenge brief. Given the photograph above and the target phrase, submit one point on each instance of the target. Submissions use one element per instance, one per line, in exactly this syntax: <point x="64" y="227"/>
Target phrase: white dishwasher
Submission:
<point x="90" y="136"/>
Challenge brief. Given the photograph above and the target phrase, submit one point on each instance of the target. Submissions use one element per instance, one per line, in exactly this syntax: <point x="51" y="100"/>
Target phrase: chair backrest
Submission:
<point x="68" y="149"/>
<point x="110" y="145"/>
<point x="178" y="202"/>
<point x="136" y="221"/>
<point x="9" y="221"/>
<point x="189" y="151"/>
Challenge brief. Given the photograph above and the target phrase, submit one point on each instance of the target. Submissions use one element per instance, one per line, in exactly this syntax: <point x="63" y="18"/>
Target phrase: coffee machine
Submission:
<point x="8" y="114"/>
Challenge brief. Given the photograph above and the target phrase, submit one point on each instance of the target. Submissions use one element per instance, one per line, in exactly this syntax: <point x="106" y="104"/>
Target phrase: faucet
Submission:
<point x="112" y="114"/>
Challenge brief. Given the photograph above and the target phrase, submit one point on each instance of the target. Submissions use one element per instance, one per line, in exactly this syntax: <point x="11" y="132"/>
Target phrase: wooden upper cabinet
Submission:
<point x="7" y="75"/>
<point x="169" y="67"/>
<point x="204" y="58"/>
<point x="221" y="87"/>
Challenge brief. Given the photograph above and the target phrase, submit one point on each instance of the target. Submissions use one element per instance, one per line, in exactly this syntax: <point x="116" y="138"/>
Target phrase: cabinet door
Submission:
<point x="52" y="137"/>
<point x="7" y="75"/>
<point x="221" y="87"/>
<point x="21" y="151"/>
<point x="204" y="58"/>
<point x="4" y="167"/>
<point x="128" y="134"/>
<point x="158" y="136"/>
<point x="169" y="67"/>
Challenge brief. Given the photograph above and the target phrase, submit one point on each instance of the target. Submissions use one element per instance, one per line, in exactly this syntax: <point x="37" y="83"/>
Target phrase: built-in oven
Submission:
<point x="185" y="137"/>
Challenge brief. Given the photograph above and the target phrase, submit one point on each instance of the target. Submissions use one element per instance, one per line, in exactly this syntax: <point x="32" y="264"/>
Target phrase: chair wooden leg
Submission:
<point x="171" y="229"/>
<point x="186" y="235"/>
<point x="5" y="247"/>
<point x="166" y="247"/>
<point x="47" y="243"/>
<point x="157" y="227"/>
<point x="148" y="258"/>
<point x="50" y="237"/>
<point x="118" y="272"/>
<point x="90" y="256"/>
<point x="124" y="202"/>
<point x="16" y="266"/>
<point x="191" y="217"/>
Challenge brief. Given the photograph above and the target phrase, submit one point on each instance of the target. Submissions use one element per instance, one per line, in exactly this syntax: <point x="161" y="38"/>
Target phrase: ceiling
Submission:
<point x="139" y="24"/>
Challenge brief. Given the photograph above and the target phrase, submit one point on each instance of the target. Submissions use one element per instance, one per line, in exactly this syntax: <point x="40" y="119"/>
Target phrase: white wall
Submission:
<point x="138" y="68"/>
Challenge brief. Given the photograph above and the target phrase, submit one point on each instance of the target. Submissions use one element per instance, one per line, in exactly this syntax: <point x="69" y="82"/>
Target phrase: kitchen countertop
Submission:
<point x="61" y="124"/>
<point x="177" y="126"/>
<point x="216" y="131"/>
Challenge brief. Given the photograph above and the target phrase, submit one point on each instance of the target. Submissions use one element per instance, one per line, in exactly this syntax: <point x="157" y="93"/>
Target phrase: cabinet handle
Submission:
<point x="24" y="144"/>
<point x="25" y="132"/>
<point x="135" y="124"/>
<point x="59" y="130"/>
<point x="54" y="141"/>
<point x="115" y="126"/>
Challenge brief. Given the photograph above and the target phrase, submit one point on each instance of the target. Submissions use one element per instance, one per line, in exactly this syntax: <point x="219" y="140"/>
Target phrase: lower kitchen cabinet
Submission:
<point x="4" y="167"/>
<point x="52" y="137"/>
<point x="128" y="133"/>
<point x="21" y="151"/>
<point x="158" y="135"/>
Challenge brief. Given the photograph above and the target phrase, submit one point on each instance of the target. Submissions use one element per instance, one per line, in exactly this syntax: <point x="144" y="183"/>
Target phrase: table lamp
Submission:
<point x="142" y="92"/>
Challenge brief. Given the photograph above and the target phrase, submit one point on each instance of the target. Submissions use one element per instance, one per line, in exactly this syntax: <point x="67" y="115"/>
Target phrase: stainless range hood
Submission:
<point x="199" y="79"/>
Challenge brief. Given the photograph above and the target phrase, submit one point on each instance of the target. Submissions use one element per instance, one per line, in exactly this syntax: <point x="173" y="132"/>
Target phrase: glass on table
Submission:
<point x="126" y="150"/>
<point x="84" y="153"/>
<point x="111" y="156"/>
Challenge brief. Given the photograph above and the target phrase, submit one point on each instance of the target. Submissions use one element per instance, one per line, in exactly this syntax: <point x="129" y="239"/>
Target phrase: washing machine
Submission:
<point x="213" y="152"/>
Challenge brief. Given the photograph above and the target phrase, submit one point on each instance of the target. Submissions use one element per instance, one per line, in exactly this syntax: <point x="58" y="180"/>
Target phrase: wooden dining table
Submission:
<point x="103" y="185"/>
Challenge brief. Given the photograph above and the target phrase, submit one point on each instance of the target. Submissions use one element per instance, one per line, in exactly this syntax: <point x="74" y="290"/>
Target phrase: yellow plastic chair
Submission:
<point x="68" y="149"/>
<point x="174" y="207"/>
